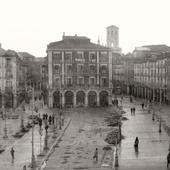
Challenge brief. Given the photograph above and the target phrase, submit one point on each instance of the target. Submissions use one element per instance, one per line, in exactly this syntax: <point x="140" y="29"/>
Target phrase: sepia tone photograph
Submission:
<point x="84" y="85"/>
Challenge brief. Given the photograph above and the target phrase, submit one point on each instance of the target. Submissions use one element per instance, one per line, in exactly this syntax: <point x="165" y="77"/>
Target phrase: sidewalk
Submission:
<point x="153" y="146"/>
<point x="22" y="146"/>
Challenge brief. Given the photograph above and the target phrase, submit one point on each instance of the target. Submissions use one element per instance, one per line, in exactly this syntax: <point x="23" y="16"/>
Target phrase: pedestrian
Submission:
<point x="131" y="109"/>
<point x="12" y="153"/>
<point x="52" y="120"/>
<point x="40" y="122"/>
<point x="134" y="110"/>
<point x="168" y="159"/>
<point x="142" y="105"/>
<point x="136" y="142"/>
<point x="49" y="120"/>
<point x="95" y="156"/>
<point x="24" y="167"/>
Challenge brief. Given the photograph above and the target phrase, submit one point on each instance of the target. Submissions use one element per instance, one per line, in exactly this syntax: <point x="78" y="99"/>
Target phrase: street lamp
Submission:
<point x="46" y="136"/>
<point x="4" y="113"/>
<point x="116" y="155"/>
<point x="54" y="126"/>
<point x="120" y="130"/>
<point x="33" y="162"/>
<point x="160" y="122"/>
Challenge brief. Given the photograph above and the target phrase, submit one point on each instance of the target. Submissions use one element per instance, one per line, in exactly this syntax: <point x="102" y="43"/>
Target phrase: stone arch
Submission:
<point x="92" y="98"/>
<point x="57" y="99"/>
<point x="104" y="98"/>
<point x="69" y="98"/>
<point x="80" y="98"/>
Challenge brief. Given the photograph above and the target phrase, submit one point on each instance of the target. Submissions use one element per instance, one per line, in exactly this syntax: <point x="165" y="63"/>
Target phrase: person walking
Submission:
<point x="168" y="159"/>
<point x="134" y="110"/>
<point x="136" y="142"/>
<point x="12" y="153"/>
<point x="24" y="167"/>
<point x="95" y="157"/>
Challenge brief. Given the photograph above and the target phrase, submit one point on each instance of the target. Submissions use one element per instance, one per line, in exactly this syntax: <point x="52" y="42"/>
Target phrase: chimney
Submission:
<point x="0" y="45"/>
<point x="75" y="35"/>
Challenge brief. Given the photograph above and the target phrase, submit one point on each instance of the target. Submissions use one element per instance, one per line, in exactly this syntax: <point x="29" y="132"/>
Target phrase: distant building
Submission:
<point x="10" y="78"/>
<point x="112" y="38"/>
<point x="151" y="77"/>
<point x="79" y="72"/>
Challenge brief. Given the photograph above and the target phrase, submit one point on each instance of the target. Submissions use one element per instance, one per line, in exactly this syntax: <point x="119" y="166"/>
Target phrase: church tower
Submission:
<point x="112" y="38"/>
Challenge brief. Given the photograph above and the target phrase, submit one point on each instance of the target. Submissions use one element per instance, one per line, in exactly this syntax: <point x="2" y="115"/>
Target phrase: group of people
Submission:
<point x="132" y="109"/>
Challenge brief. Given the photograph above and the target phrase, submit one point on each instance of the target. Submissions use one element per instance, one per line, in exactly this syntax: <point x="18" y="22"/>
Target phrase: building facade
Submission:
<point x="10" y="77"/>
<point x="151" y="73"/>
<point x="79" y="73"/>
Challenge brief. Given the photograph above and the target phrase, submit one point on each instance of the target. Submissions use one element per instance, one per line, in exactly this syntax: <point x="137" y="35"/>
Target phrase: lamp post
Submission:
<point x="46" y="136"/>
<point x="33" y="162"/>
<point x="116" y="156"/>
<point x="22" y="119"/>
<point x="54" y="126"/>
<point x="120" y="130"/>
<point x="4" y="114"/>
<point x="160" y="122"/>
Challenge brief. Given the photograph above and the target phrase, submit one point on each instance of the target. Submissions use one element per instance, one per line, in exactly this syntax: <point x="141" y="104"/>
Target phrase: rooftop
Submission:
<point x="75" y="42"/>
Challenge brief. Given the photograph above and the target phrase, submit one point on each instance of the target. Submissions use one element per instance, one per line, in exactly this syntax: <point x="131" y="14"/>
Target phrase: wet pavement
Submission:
<point x="88" y="130"/>
<point x="23" y="145"/>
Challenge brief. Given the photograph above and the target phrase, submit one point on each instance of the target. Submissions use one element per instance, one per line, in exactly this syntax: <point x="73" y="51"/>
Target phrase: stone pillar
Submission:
<point x="98" y="68"/>
<point x="62" y="69"/>
<point x="86" y="99"/>
<point x="63" y="100"/>
<point x="98" y="101"/>
<point x="153" y="94"/>
<point x="74" y="98"/>
<point x="15" y="100"/>
<point x="160" y="95"/>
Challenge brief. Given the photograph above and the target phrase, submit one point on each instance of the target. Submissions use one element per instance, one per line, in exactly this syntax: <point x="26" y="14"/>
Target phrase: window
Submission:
<point x="103" y="69"/>
<point x="92" y="57"/>
<point x="104" y="82"/>
<point x="8" y="74"/>
<point x="68" y="68"/>
<point x="92" y="81"/>
<point x="57" y="68"/>
<point x="8" y="84"/>
<point x="8" y="62"/>
<point x="80" y="57"/>
<point x="57" y="56"/>
<point x="57" y="82"/>
<point x="92" y="68"/>
<point x="80" y="68"/>
<point x="69" y="81"/>
<point x="80" y="81"/>
<point x="68" y="57"/>
<point x="104" y="57"/>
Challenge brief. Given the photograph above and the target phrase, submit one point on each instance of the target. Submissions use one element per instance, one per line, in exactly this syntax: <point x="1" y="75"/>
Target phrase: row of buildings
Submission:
<point x="18" y="73"/>
<point x="77" y="72"/>
<point x="145" y="73"/>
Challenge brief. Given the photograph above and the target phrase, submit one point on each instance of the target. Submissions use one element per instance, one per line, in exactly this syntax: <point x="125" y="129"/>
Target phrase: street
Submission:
<point x="77" y="147"/>
<point x="87" y="132"/>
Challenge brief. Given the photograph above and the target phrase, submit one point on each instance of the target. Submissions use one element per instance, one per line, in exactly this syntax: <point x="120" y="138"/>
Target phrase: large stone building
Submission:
<point x="10" y="78"/>
<point x="150" y="72"/>
<point x="79" y="72"/>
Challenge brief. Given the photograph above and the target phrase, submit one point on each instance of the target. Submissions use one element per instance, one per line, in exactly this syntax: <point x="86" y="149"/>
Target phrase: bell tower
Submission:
<point x="112" y="37"/>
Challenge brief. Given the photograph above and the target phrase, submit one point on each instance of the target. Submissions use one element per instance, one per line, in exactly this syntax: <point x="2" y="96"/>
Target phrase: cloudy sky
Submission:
<point x="29" y="25"/>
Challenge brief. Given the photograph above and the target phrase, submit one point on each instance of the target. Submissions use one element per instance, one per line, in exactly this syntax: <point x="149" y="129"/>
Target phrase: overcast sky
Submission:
<point x="29" y="25"/>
